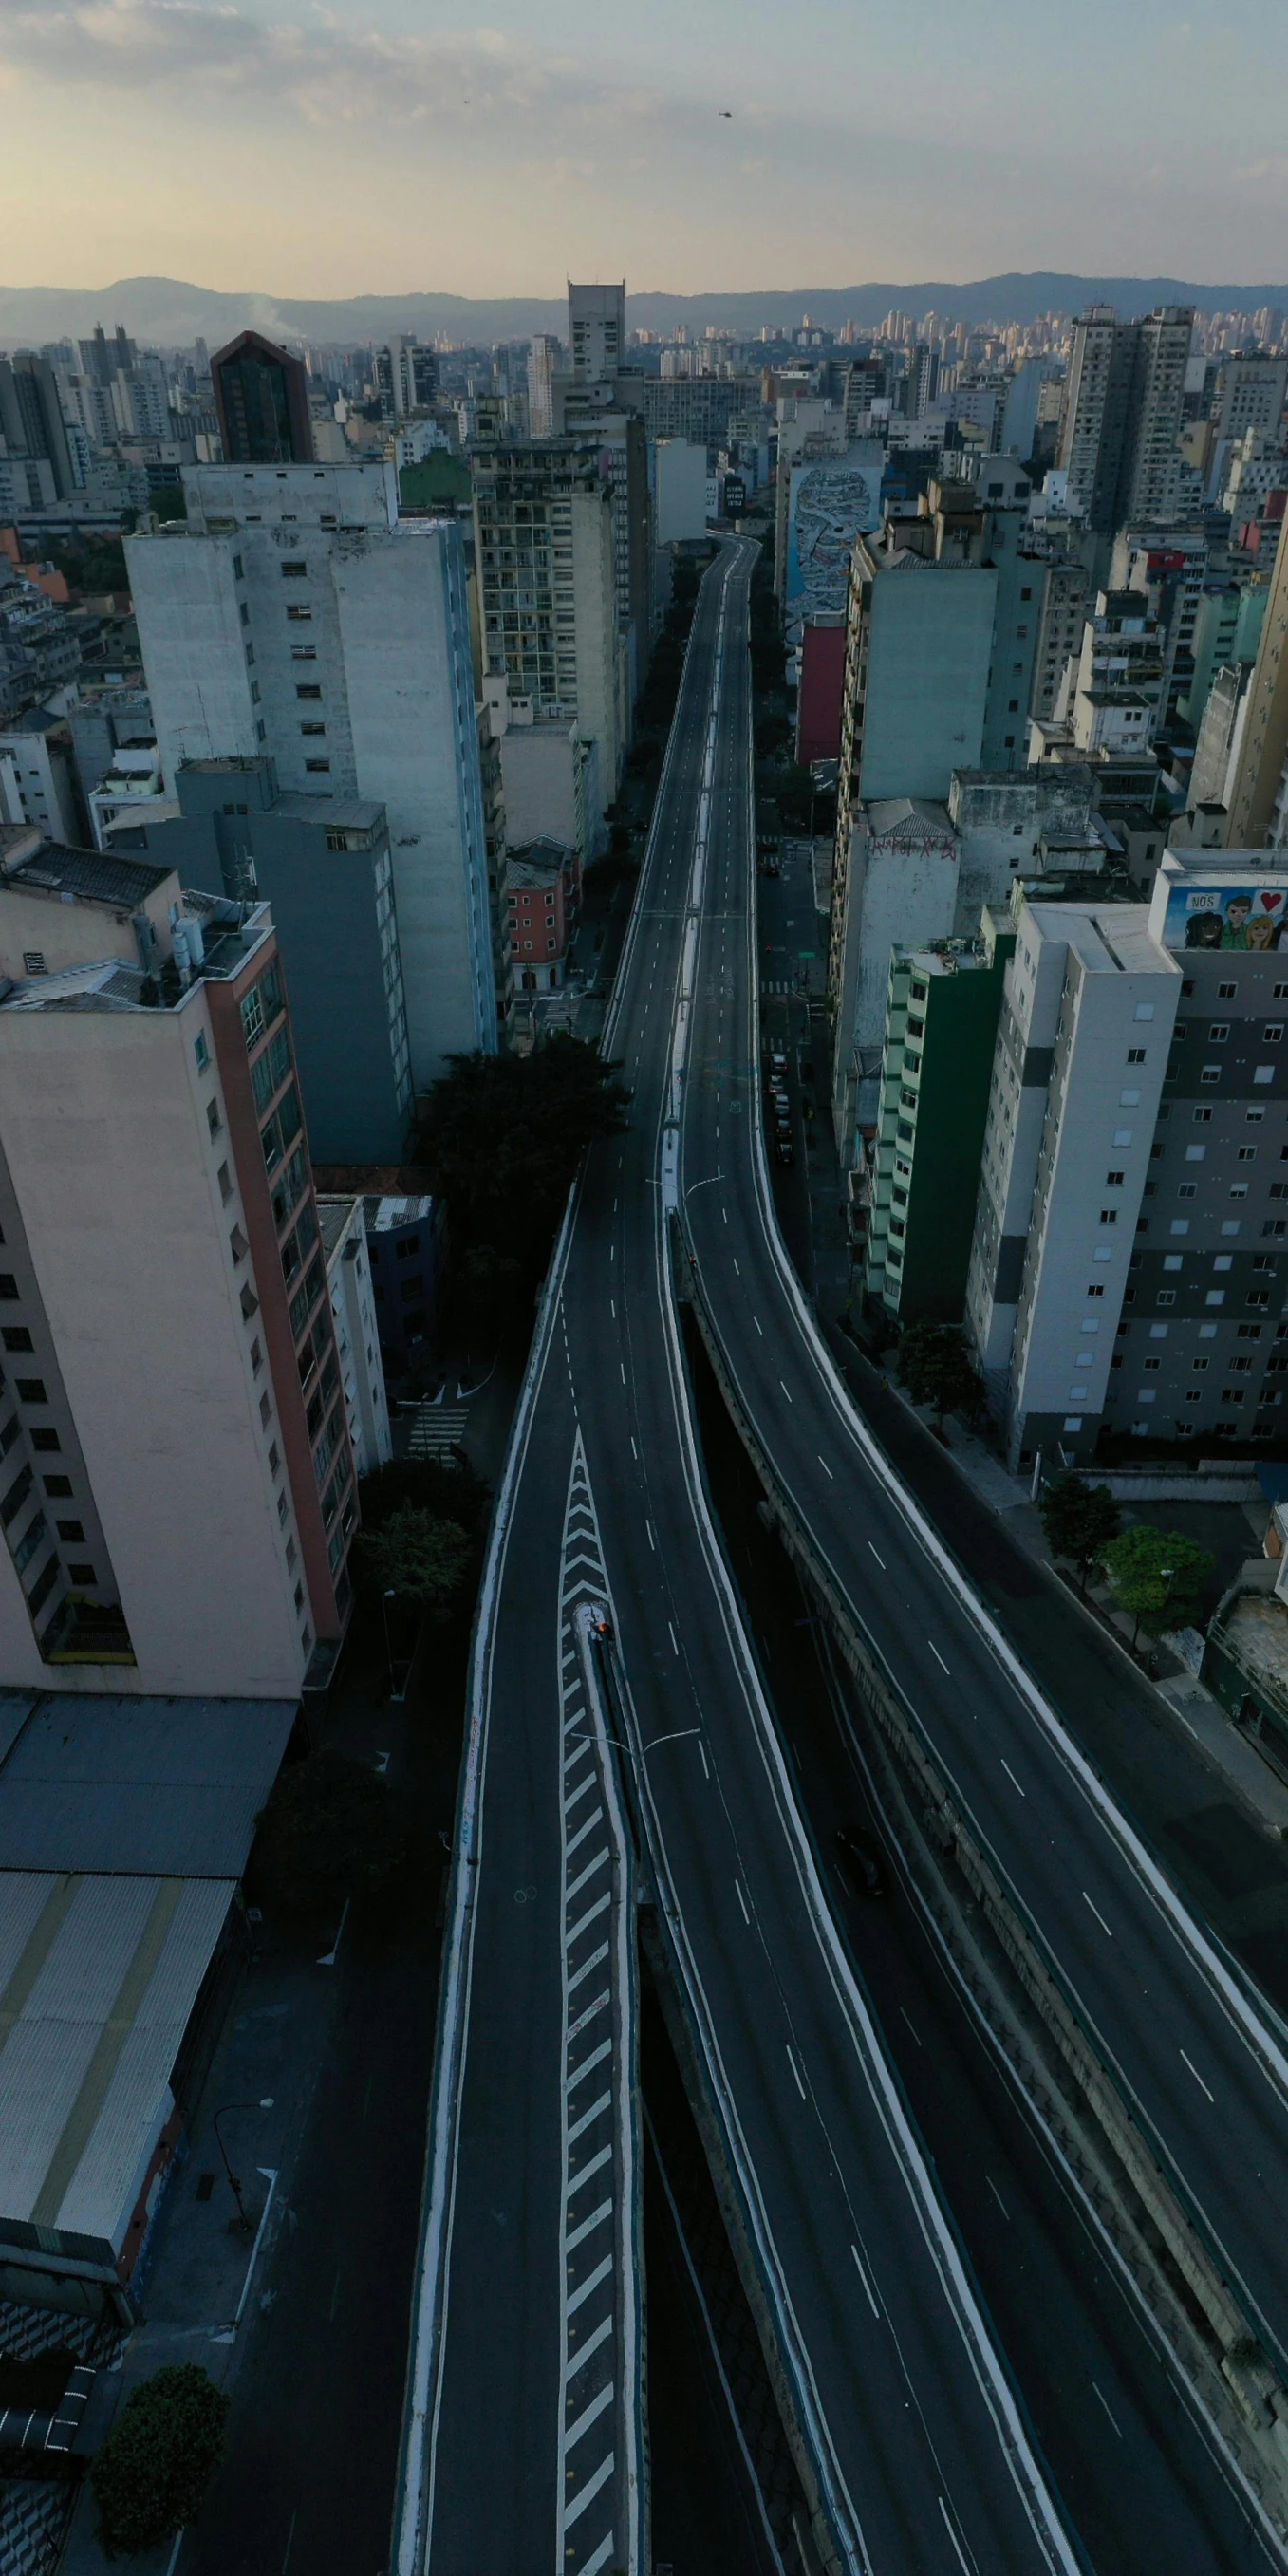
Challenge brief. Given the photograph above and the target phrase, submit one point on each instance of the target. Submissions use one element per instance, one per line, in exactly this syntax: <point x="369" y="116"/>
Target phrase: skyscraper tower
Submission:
<point x="597" y="328"/>
<point x="262" y="403"/>
<point x="1122" y="414"/>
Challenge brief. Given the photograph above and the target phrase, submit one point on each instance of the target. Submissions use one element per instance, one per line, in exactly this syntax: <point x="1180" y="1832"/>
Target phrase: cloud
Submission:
<point x="330" y="74"/>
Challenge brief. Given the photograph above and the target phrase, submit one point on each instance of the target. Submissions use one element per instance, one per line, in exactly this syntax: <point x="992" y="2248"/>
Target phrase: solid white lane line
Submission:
<point x="1010" y="1774"/>
<point x="1104" y="2403"/>
<point x="742" y="1901"/>
<point x="1098" y="1915"/>
<point x="961" y="2558"/>
<point x="880" y="1559"/>
<point x="1197" y="2077"/>
<point x="673" y="1636"/>
<point x="786" y="1389"/>
<point x="936" y="1653"/>
<point x="824" y="1465"/>
<point x="797" y="2073"/>
<point x="866" y="2282"/>
<point x="997" y="2197"/>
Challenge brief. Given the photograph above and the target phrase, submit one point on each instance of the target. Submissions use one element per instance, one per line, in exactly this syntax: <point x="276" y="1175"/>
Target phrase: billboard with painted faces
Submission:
<point x="1242" y="917"/>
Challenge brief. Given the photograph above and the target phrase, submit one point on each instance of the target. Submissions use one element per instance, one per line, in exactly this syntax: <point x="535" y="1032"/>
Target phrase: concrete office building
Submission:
<point x="1227" y="631"/>
<point x="680" y="489"/>
<point x="548" y="790"/>
<point x="177" y="1494"/>
<point x="1129" y="1272"/>
<point x="1060" y="625"/>
<point x="922" y="1163"/>
<point x="597" y="329"/>
<point x="31" y="418"/>
<point x="404" y="1248"/>
<point x="357" y="1335"/>
<point x="585" y="409"/>
<point x="298" y="617"/>
<point x="1123" y="408"/>
<point x="544" y="549"/>
<point x="1254" y="387"/>
<point x="324" y="867"/>
<point x="261" y="403"/>
<point x="37" y="776"/>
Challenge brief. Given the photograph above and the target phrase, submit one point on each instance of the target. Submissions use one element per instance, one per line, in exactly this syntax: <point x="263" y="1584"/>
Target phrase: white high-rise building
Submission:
<point x="297" y="615"/>
<point x="597" y="328"/>
<point x="544" y="356"/>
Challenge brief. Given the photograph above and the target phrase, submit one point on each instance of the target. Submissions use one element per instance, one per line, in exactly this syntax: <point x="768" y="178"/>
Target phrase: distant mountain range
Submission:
<point x="166" y="312"/>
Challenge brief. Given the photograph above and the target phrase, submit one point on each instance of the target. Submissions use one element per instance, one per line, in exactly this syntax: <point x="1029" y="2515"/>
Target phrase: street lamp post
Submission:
<point x="234" y="2180"/>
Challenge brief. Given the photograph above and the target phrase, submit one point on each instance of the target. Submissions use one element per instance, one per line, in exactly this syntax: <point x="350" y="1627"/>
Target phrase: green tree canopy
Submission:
<point x="422" y="1558"/>
<point x="1079" y="1520"/>
<point x="936" y="1367"/>
<point x="447" y="1487"/>
<point x="1158" y="1575"/>
<point x="327" y="1831"/>
<point x="502" y="1135"/>
<point x="152" y="2471"/>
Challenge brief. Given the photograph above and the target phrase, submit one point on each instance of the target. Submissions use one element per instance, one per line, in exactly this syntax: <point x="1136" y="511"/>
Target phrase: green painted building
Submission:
<point x="923" y="1162"/>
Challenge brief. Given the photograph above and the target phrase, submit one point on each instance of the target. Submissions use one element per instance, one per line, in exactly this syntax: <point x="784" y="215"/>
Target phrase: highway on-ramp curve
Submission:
<point x="1199" y="2064"/>
<point x="916" y="2449"/>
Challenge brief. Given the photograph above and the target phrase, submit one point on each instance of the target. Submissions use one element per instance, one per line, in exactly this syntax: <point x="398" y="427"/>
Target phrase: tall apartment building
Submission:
<point x="1123" y="408"/>
<point x="176" y="1494"/>
<point x="545" y="355"/>
<point x="609" y="413"/>
<point x="406" y="377"/>
<point x="597" y="328"/>
<point x="545" y="556"/>
<point x="297" y="616"/>
<point x="1254" y="387"/>
<point x="31" y="418"/>
<point x="261" y="403"/>
<point x="1130" y="1272"/>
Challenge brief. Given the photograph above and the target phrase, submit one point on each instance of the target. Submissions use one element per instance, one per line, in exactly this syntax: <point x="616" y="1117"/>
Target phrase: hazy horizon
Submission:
<point x="353" y="155"/>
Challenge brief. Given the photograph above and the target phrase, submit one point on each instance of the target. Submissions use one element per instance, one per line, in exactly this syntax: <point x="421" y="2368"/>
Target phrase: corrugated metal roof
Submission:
<point x="154" y="1786"/>
<point x="98" y="1977"/>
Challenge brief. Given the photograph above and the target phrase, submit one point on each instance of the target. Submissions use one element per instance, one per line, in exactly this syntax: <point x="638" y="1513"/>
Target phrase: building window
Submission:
<point x="201" y="1050"/>
<point x="1273" y="1034"/>
<point x="1166" y="1297"/>
<point x="1135" y="1055"/>
<point x="1210" y="1073"/>
<point x="71" y="1530"/>
<point x="1218" y="1032"/>
<point x="295" y="572"/>
<point x="317" y="764"/>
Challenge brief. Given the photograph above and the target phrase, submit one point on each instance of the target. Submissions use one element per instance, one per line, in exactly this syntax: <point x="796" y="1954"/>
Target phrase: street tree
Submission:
<point x="1079" y="1520"/>
<point x="1159" y="1575"/>
<point x="153" y="2469"/>
<point x="502" y="1135"/>
<point x="936" y="1367"/>
<point x="423" y="1559"/>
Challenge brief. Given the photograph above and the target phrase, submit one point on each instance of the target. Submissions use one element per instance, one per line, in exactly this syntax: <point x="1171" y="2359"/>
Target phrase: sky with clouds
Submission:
<point x="395" y="144"/>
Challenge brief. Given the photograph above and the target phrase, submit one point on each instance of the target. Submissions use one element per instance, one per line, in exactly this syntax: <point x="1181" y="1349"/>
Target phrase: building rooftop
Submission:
<point x="91" y="876"/>
<point x="334" y="1215"/>
<point x="537" y="863"/>
<point x="383" y="1215"/>
<point x="165" y="1787"/>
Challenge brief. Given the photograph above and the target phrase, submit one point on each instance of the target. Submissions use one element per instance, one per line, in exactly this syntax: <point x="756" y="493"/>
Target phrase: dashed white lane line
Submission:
<point x="1098" y="1915"/>
<point x="756" y="1321"/>
<point x="880" y="1559"/>
<point x="913" y="2028"/>
<point x="797" y="2073"/>
<point x="786" y="1389"/>
<point x="742" y="1901"/>
<point x="672" y="1634"/>
<point x="706" y="1767"/>
<point x="651" y="1540"/>
<point x="858" y="2265"/>
<point x="936" y="1653"/>
<point x="1197" y="2077"/>
<point x="998" y="2197"/>
<point x="1104" y="2403"/>
<point x="1010" y="1774"/>
<point x="824" y="1465"/>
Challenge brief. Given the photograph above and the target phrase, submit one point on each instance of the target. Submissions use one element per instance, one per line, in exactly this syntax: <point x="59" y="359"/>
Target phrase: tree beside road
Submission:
<point x="154" y="2468"/>
<point x="1159" y="1575"/>
<point x="1080" y="1520"/>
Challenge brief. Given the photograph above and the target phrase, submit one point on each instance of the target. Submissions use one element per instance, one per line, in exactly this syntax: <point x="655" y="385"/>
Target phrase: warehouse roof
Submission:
<point x="168" y="1786"/>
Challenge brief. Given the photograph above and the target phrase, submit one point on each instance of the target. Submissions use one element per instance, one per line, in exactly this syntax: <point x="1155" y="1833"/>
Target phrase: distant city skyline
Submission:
<point x="394" y="147"/>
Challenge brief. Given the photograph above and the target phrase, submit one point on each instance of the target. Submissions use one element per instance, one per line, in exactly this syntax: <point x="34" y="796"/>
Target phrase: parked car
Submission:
<point x="784" y="1149"/>
<point x="863" y="1860"/>
<point x="777" y="1060"/>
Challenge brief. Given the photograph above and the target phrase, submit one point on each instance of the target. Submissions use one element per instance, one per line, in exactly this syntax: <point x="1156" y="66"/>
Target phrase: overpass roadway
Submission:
<point x="912" y="2442"/>
<point x="1194" y="2054"/>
